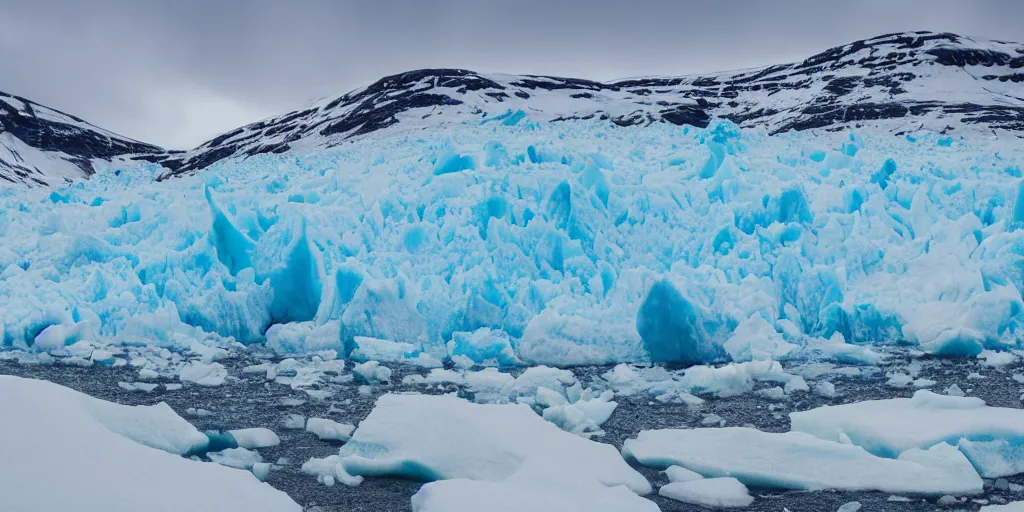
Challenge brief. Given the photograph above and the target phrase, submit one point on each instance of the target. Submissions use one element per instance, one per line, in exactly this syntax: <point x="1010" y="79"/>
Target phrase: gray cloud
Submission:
<point x="178" y="72"/>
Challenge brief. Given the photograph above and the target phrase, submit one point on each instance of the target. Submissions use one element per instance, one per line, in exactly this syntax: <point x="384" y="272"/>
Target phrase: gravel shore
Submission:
<point x="250" y="401"/>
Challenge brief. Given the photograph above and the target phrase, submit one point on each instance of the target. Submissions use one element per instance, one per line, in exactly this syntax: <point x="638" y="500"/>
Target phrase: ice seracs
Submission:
<point x="572" y="248"/>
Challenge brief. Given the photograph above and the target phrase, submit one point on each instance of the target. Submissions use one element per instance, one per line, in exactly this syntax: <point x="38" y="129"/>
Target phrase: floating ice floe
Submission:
<point x="722" y="492"/>
<point x="294" y="422"/>
<point x="555" y="393"/>
<point x="44" y="422"/>
<point x="372" y="372"/>
<point x="732" y="379"/>
<point x="238" y="458"/>
<point x="795" y="460"/>
<point x="329" y="471"/>
<point x="680" y="474"/>
<point x="991" y="437"/>
<point x="852" y="506"/>
<point x="329" y="430"/>
<point x="253" y="438"/>
<point x="521" y="494"/>
<point x="204" y="374"/>
<point x="372" y="349"/>
<point x="487" y="442"/>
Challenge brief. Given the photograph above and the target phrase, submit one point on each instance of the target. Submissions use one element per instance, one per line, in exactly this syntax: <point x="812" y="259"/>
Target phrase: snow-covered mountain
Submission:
<point x="902" y="82"/>
<point x="905" y="81"/>
<point x="43" y="146"/>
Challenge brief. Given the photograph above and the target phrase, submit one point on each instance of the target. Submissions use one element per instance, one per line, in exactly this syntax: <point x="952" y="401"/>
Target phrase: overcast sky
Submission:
<point x="177" y="72"/>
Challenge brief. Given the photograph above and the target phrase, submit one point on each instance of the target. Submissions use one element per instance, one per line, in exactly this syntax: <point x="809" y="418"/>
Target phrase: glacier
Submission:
<point x="522" y="242"/>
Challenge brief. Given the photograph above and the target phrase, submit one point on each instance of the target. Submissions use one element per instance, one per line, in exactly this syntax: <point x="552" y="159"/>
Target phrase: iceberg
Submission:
<point x="795" y="460"/>
<point x="517" y="495"/>
<point x="991" y="437"/>
<point x="455" y="439"/>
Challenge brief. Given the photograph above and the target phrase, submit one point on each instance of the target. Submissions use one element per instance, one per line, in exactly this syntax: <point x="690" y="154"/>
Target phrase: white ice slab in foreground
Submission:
<point x="51" y="444"/>
<point x="991" y="437"/>
<point x="518" y="495"/>
<point x="156" y="426"/>
<point x="445" y="437"/>
<point x="795" y="460"/>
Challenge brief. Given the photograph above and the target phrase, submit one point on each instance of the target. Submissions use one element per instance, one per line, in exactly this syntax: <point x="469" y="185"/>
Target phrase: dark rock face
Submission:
<point x="50" y="131"/>
<point x="897" y="82"/>
<point x="890" y="79"/>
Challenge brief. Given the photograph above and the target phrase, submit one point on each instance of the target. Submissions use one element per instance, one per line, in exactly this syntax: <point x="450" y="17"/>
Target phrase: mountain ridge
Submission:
<point x="902" y="82"/>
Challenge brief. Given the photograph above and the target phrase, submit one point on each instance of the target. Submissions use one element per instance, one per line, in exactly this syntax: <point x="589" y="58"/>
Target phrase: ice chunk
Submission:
<point x="53" y="337"/>
<point x="484" y="346"/>
<point x="536" y="377"/>
<point x="997" y="359"/>
<point x="261" y="470"/>
<point x="712" y="419"/>
<point x="579" y="417"/>
<point x="724" y="492"/>
<point x="1014" y="506"/>
<point x="674" y="328"/>
<point x="754" y="339"/>
<point x="732" y="379"/>
<point x="255" y="437"/>
<point x="681" y="474"/>
<point x="238" y="458"/>
<point x="458" y="439"/>
<point x="824" y="388"/>
<point x="372" y="371"/>
<point x="43" y="422"/>
<point x="994" y="458"/>
<point x="382" y="350"/>
<point x="203" y="374"/>
<point x="853" y="506"/>
<point x="328" y="430"/>
<point x="519" y="494"/>
<point x="299" y="337"/>
<point x="383" y="310"/>
<point x="890" y="427"/>
<point x="795" y="460"/>
<point x="900" y="380"/>
<point x="328" y="470"/>
<point x="294" y="422"/>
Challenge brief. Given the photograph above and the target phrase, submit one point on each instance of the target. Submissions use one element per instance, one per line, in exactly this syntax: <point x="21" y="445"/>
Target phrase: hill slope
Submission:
<point x="43" y="146"/>
<point x="907" y="81"/>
